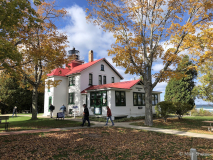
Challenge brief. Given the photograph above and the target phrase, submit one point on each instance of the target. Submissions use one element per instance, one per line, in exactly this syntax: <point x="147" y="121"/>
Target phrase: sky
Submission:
<point x="85" y="36"/>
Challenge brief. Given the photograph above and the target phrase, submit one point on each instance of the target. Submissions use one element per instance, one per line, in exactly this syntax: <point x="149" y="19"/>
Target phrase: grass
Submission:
<point x="25" y="123"/>
<point x="24" y="114"/>
<point x="96" y="143"/>
<point x="188" y="124"/>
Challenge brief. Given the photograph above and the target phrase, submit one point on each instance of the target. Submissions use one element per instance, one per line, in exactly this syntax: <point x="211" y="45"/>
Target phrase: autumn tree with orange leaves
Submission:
<point x="147" y="31"/>
<point x="42" y="49"/>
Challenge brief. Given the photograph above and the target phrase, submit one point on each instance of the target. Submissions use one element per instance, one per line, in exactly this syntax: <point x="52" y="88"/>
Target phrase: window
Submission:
<point x="120" y="98"/>
<point x="104" y="80"/>
<point x="154" y="99"/>
<point x="90" y="79"/>
<point x="113" y="81"/>
<point x="92" y="99"/>
<point x="86" y="100"/>
<point x="48" y="87"/>
<point x="100" y="79"/>
<point x="71" y="81"/>
<point x="98" y="98"/>
<point x="138" y="99"/>
<point x="102" y="67"/>
<point x="71" y="98"/>
<point x="50" y="102"/>
<point x="104" y="98"/>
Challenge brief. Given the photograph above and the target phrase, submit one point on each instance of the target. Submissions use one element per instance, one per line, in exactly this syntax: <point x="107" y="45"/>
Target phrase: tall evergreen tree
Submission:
<point x="181" y="90"/>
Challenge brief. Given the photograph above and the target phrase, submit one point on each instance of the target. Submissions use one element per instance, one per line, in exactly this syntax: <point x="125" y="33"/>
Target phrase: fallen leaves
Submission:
<point x="101" y="143"/>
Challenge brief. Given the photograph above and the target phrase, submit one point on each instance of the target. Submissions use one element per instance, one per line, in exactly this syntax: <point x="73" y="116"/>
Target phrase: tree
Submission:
<point x="14" y="15"/>
<point x="141" y="26"/>
<point x="181" y="108"/>
<point x="12" y="94"/>
<point x="42" y="49"/>
<point x="205" y="88"/>
<point x="164" y="108"/>
<point x="181" y="90"/>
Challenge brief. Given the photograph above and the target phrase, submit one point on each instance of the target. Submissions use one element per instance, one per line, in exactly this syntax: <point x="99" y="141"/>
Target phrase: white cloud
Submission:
<point x="157" y="67"/>
<point x="86" y="36"/>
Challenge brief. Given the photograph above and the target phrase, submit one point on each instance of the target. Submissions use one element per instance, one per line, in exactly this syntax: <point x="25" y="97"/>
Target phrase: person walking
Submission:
<point x="63" y="108"/>
<point x="86" y="115"/>
<point x="109" y="116"/>
<point x="51" y="108"/>
<point x="15" y="111"/>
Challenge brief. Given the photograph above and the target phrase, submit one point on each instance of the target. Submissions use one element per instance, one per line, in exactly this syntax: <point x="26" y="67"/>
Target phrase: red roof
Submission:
<point x="67" y="71"/>
<point x="59" y="72"/>
<point x="82" y="67"/>
<point x="121" y="85"/>
<point x="77" y="69"/>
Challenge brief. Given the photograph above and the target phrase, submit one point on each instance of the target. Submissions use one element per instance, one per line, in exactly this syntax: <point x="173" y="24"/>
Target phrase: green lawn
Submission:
<point x="25" y="123"/>
<point x="190" y="124"/>
<point x="28" y="114"/>
<point x="103" y="143"/>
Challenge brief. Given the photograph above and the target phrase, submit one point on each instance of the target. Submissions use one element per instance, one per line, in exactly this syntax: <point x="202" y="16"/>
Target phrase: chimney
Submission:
<point x="90" y="55"/>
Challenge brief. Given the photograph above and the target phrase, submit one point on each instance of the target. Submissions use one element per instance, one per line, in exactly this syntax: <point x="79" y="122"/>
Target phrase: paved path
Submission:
<point x="120" y="124"/>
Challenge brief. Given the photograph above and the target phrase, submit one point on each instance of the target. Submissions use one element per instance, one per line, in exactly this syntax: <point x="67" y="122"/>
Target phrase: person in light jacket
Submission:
<point x="15" y="111"/>
<point x="63" y="108"/>
<point x="109" y="116"/>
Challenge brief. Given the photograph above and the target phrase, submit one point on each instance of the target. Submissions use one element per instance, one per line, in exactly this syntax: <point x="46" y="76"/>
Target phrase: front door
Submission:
<point x="97" y="100"/>
<point x="98" y="106"/>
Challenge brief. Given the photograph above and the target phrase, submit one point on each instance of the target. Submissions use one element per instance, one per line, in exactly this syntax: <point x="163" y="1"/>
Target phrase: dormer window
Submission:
<point x="71" y="81"/>
<point x="102" y="67"/>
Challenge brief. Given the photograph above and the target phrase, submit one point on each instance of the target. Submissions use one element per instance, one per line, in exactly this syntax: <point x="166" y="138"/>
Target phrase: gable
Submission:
<point x="86" y="66"/>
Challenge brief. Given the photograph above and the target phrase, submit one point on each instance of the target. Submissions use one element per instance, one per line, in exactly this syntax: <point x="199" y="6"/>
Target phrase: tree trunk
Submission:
<point x="148" y="104"/>
<point x="34" y="102"/>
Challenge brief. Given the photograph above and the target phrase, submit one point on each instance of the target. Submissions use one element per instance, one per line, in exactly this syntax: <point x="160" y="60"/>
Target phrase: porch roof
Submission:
<point x="119" y="85"/>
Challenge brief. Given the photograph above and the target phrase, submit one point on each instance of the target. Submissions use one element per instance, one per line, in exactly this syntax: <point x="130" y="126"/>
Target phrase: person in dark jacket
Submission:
<point x="51" y="108"/>
<point x="86" y="115"/>
<point x="109" y="116"/>
<point x="14" y="111"/>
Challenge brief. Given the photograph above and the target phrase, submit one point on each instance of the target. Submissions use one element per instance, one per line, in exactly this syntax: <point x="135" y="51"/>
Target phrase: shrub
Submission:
<point x="182" y="108"/>
<point x="164" y="108"/>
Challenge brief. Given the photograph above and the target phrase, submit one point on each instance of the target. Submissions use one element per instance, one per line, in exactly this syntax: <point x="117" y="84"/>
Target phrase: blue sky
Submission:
<point x="85" y="36"/>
